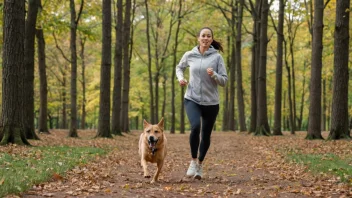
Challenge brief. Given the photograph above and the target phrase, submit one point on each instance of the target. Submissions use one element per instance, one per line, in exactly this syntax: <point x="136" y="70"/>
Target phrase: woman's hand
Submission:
<point x="210" y="71"/>
<point x="183" y="82"/>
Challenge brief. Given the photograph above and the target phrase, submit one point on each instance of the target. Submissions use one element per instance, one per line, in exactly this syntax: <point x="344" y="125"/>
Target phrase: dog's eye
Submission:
<point x="148" y="131"/>
<point x="156" y="131"/>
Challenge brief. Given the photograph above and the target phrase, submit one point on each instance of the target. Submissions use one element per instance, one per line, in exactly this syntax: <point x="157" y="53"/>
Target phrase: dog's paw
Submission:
<point x="146" y="176"/>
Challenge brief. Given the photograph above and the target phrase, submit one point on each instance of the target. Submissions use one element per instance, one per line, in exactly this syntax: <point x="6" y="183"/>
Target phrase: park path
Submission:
<point x="237" y="165"/>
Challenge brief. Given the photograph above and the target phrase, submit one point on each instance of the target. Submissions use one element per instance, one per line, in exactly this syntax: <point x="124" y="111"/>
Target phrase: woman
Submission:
<point x="207" y="70"/>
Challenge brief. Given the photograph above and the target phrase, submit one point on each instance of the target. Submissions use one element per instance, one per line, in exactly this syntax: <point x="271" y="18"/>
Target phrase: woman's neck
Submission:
<point x="203" y="49"/>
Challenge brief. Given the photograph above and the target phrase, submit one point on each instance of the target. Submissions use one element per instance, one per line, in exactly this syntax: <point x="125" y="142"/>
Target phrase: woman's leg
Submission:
<point x="209" y="114"/>
<point x="193" y="113"/>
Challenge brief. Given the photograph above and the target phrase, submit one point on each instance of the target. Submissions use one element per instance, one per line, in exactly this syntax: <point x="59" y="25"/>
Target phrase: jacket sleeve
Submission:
<point x="181" y="67"/>
<point x="220" y="76"/>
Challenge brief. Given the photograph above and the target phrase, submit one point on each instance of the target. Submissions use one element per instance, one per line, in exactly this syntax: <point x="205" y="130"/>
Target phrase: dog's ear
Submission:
<point x="145" y="123"/>
<point x="161" y="123"/>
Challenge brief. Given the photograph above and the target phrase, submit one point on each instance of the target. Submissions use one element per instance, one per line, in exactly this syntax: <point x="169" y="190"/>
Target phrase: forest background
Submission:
<point x="159" y="33"/>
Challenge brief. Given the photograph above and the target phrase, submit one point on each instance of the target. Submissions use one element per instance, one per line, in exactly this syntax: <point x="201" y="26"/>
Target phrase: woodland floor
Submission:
<point x="237" y="165"/>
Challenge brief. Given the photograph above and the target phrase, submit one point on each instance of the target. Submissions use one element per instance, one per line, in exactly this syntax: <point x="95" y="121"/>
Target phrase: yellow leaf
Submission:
<point x="127" y="186"/>
<point x="167" y="188"/>
<point x="2" y="181"/>
<point x="108" y="190"/>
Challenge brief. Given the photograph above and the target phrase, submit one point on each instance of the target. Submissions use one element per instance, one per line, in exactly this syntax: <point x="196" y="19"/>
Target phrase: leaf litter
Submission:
<point x="237" y="165"/>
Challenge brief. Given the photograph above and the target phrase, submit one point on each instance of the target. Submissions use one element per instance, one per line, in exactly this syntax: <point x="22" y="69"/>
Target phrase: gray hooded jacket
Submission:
<point x="202" y="88"/>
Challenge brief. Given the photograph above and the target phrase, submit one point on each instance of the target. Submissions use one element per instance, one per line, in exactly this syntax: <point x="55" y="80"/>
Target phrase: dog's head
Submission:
<point x="154" y="132"/>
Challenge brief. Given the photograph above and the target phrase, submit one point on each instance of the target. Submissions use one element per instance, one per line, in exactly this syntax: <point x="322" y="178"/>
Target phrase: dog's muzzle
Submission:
<point x="152" y="143"/>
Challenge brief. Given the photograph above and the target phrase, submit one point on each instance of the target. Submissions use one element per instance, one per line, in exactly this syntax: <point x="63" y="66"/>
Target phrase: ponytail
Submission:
<point x="217" y="45"/>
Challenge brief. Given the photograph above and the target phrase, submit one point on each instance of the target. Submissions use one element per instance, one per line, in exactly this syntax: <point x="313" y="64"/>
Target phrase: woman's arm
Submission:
<point x="220" y="76"/>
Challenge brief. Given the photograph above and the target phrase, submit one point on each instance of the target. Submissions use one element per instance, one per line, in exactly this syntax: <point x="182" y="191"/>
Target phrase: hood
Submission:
<point x="211" y="50"/>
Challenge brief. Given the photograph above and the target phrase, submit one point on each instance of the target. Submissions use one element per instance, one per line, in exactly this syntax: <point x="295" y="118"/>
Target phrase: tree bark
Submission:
<point x="73" y="49"/>
<point x="262" y="119"/>
<point x="256" y="14"/>
<point x="173" y="111"/>
<point x="339" y="114"/>
<point x="151" y="105"/>
<point x="314" y="126"/>
<point x="126" y="67"/>
<point x="12" y="123"/>
<point x="83" y="82"/>
<point x="240" y="92"/>
<point x="43" y="109"/>
<point x="105" y="74"/>
<point x="279" y="65"/>
<point x="116" y="106"/>
<point x="232" y="122"/>
<point x="29" y="41"/>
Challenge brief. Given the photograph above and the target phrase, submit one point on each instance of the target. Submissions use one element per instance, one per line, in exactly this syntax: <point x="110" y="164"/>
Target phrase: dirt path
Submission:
<point x="237" y="165"/>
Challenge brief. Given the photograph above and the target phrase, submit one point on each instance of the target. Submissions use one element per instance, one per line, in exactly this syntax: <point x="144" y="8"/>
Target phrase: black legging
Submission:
<point x="201" y="117"/>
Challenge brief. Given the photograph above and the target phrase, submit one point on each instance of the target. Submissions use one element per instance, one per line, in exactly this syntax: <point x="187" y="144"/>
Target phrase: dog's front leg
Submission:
<point x="145" y="168"/>
<point x="156" y="175"/>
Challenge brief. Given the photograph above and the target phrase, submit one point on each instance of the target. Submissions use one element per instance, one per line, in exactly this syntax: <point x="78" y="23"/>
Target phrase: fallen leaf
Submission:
<point x="2" y="181"/>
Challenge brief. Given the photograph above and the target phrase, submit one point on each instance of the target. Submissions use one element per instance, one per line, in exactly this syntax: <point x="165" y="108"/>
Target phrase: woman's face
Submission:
<point x="205" y="38"/>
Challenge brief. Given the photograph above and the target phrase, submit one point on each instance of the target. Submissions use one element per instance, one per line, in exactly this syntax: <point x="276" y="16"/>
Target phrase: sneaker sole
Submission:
<point x="197" y="177"/>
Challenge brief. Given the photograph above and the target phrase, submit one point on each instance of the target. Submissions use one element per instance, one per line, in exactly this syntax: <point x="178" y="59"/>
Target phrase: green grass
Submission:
<point x="18" y="173"/>
<point x="327" y="163"/>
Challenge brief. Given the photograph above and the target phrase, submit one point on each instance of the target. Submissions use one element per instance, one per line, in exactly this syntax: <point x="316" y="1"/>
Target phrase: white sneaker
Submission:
<point x="192" y="169"/>
<point x="199" y="172"/>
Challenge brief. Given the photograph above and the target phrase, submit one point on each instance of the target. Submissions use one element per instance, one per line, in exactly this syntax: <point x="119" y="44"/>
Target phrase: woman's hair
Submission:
<point x="216" y="44"/>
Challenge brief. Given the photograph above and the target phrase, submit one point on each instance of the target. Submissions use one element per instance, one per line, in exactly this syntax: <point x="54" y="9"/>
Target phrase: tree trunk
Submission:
<point x="12" y="122"/>
<point x="278" y="85"/>
<point x="73" y="49"/>
<point x="84" y="100"/>
<point x="126" y="68"/>
<point x="43" y="109"/>
<point x="163" y="107"/>
<point x="240" y="100"/>
<point x="339" y="114"/>
<point x="300" y="117"/>
<point x="151" y="105"/>
<point x="289" y="97"/>
<point x="324" y="110"/>
<point x="232" y="123"/>
<point x="63" y="95"/>
<point x="105" y="74"/>
<point x="29" y="41"/>
<point x="262" y="119"/>
<point x="173" y="111"/>
<point x="225" y="115"/>
<point x="314" y="126"/>
<point x="116" y="106"/>
<point x="255" y="64"/>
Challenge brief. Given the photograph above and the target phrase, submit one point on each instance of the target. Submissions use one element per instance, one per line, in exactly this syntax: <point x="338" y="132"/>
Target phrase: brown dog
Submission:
<point x="152" y="147"/>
